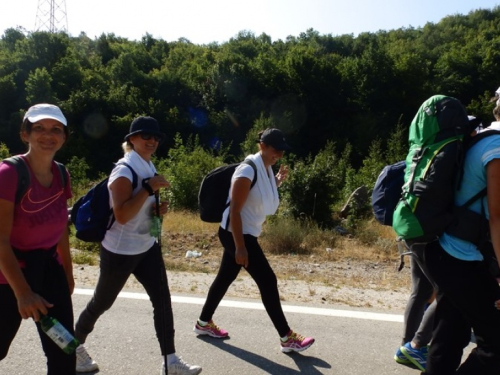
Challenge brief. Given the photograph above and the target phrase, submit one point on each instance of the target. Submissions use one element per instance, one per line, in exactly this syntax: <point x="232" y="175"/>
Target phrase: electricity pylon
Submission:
<point x="51" y="16"/>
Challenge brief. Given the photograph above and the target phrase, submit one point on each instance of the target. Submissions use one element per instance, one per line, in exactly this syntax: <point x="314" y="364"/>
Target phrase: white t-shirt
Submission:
<point x="134" y="236"/>
<point x="252" y="213"/>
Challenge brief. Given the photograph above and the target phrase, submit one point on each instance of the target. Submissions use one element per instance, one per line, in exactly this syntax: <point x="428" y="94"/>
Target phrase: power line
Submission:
<point x="51" y="16"/>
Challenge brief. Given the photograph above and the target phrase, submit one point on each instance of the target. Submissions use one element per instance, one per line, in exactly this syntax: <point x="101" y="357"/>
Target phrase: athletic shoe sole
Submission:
<point x="208" y="333"/>
<point x="412" y="360"/>
<point x="400" y="358"/>
<point x="405" y="362"/>
<point x="288" y="349"/>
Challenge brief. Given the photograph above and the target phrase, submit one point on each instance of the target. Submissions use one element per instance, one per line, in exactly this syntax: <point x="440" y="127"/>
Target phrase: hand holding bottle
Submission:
<point x="162" y="210"/>
<point x="32" y="305"/>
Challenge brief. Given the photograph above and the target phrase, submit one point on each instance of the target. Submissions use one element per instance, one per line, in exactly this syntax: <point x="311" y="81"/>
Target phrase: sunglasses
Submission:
<point x="147" y="137"/>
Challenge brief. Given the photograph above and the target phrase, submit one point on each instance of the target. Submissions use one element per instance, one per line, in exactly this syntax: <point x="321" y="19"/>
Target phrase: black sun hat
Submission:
<point x="274" y="138"/>
<point x="147" y="125"/>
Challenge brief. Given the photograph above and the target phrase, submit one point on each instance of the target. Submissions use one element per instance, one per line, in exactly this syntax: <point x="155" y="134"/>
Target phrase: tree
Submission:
<point x="38" y="87"/>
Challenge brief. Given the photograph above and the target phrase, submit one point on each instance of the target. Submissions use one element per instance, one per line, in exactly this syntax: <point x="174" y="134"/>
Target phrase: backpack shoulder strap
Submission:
<point x="252" y="164"/>
<point x="23" y="175"/>
<point x="134" y="175"/>
<point x="134" y="185"/>
<point x="478" y="137"/>
<point x="62" y="173"/>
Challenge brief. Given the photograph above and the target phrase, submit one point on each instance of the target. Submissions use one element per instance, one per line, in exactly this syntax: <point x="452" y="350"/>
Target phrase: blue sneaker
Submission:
<point x="400" y="358"/>
<point x="416" y="356"/>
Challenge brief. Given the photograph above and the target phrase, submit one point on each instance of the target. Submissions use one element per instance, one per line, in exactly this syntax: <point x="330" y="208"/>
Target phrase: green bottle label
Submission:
<point x="60" y="335"/>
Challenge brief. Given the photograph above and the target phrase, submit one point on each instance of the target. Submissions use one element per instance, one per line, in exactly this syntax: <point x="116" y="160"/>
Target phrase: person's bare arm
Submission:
<point x="29" y="303"/>
<point x="493" y="183"/>
<point x="239" y="195"/>
<point x="126" y="206"/>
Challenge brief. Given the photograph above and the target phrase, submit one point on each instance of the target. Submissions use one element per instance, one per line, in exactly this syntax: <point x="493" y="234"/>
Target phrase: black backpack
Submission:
<point x="214" y="190"/>
<point x="23" y="175"/>
<point x="92" y="214"/>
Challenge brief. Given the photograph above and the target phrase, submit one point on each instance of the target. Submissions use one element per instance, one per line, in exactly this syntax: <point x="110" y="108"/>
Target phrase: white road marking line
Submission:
<point x="259" y="306"/>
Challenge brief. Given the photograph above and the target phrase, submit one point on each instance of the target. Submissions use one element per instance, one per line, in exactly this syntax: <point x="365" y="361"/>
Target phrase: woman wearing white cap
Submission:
<point x="36" y="276"/>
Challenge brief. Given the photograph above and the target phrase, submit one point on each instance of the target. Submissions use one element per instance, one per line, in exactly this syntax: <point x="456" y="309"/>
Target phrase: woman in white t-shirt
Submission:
<point x="240" y="228"/>
<point x="130" y="248"/>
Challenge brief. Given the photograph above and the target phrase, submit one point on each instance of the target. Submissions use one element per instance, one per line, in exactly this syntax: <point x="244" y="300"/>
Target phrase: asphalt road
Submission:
<point x="348" y="342"/>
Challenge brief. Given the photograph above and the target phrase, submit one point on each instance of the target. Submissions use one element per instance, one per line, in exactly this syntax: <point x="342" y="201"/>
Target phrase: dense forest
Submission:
<point x="340" y="94"/>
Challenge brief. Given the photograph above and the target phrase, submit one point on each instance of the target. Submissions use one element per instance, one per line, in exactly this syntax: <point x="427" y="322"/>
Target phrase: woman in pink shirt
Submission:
<point x="36" y="276"/>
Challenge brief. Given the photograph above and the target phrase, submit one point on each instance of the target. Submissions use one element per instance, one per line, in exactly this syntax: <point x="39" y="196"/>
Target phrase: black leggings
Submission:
<point x="46" y="277"/>
<point x="466" y="296"/>
<point x="115" y="270"/>
<point x="258" y="268"/>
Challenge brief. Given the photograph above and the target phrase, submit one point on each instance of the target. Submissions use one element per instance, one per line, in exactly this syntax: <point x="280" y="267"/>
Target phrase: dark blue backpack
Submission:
<point x="92" y="215"/>
<point x="387" y="192"/>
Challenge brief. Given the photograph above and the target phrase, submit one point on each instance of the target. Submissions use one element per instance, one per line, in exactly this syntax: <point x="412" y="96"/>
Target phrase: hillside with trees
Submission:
<point x="344" y="102"/>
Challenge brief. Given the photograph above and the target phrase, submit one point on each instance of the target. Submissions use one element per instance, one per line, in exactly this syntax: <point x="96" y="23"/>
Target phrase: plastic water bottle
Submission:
<point x="155" y="230"/>
<point x="60" y="335"/>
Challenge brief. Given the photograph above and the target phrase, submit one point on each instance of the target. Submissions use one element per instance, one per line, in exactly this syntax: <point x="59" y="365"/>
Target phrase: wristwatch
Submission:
<point x="147" y="186"/>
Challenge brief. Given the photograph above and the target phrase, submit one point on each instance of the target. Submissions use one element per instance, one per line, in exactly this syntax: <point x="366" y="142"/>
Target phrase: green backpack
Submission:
<point x="433" y="169"/>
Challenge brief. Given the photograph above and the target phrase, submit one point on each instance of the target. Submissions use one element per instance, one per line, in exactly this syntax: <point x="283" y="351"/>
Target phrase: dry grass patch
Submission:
<point x="296" y="251"/>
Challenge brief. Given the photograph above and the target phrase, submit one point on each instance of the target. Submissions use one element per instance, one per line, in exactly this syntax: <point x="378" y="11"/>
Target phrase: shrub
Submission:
<point x="78" y="168"/>
<point x="4" y="151"/>
<point x="287" y="235"/>
<point x="314" y="186"/>
<point x="184" y="168"/>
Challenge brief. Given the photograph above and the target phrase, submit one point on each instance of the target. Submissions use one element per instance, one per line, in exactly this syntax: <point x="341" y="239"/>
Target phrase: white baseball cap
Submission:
<point x="42" y="111"/>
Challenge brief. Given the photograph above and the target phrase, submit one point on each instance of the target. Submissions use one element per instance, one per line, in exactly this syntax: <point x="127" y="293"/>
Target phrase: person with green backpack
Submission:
<point x="467" y="293"/>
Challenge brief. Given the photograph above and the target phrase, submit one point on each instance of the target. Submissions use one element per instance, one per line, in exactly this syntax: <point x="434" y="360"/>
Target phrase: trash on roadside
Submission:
<point x="193" y="254"/>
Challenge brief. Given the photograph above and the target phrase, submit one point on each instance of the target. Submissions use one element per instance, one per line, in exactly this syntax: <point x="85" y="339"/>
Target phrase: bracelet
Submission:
<point x="147" y="186"/>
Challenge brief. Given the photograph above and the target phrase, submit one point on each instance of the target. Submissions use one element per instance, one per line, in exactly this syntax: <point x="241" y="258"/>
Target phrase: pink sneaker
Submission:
<point x="210" y="329"/>
<point x="296" y="343"/>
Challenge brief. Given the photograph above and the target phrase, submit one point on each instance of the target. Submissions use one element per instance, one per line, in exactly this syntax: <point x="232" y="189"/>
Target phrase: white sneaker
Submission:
<point x="181" y="368"/>
<point x="84" y="363"/>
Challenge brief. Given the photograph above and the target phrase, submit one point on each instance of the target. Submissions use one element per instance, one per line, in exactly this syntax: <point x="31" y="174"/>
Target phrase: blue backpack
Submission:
<point x="92" y="215"/>
<point x="387" y="192"/>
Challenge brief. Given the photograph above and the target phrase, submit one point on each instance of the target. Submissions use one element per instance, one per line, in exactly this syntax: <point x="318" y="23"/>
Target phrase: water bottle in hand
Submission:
<point x="60" y="335"/>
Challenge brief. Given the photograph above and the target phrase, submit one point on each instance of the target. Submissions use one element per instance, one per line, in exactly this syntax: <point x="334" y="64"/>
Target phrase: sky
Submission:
<point x="207" y="21"/>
